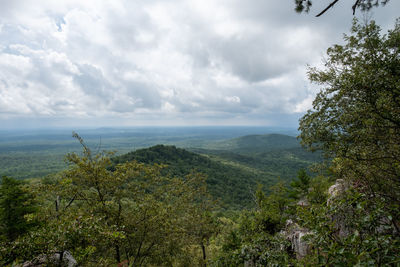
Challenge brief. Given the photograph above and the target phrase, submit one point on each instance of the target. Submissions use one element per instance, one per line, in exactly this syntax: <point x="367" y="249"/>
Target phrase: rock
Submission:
<point x="43" y="260"/>
<point x="339" y="218"/>
<point x="67" y="258"/>
<point x="336" y="190"/>
<point x="295" y="234"/>
<point x="303" y="202"/>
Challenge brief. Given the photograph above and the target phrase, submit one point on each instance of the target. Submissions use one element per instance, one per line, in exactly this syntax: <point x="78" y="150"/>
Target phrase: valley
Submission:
<point x="233" y="162"/>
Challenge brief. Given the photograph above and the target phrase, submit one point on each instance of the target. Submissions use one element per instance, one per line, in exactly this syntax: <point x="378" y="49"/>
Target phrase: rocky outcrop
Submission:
<point x="339" y="218"/>
<point x="43" y="260"/>
<point x="336" y="190"/>
<point x="295" y="234"/>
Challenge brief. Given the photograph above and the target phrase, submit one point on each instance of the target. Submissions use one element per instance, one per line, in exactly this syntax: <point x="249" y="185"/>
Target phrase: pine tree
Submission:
<point x="15" y="204"/>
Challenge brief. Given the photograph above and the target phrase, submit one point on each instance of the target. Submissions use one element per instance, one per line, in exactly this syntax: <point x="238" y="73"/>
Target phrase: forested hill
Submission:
<point x="233" y="167"/>
<point x="275" y="155"/>
<point x="232" y="185"/>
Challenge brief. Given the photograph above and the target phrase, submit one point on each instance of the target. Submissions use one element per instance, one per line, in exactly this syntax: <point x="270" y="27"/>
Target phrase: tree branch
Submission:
<point x="328" y="7"/>
<point x="355" y="6"/>
<point x="70" y="202"/>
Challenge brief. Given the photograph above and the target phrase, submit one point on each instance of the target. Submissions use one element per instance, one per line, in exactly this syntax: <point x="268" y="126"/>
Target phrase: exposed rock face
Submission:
<point x="336" y="190"/>
<point x="339" y="218"/>
<point x="41" y="261"/>
<point x="385" y="225"/>
<point x="295" y="234"/>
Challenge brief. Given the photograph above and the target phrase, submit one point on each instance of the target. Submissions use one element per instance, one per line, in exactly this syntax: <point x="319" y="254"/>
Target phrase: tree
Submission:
<point x="15" y="204"/>
<point x="355" y="118"/>
<point x="256" y="238"/>
<point x="352" y="229"/>
<point x="300" y="185"/>
<point x="305" y="5"/>
<point x="129" y="214"/>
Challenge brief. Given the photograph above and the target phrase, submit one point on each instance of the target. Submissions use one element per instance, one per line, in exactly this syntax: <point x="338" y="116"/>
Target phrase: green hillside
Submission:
<point x="230" y="184"/>
<point x="276" y="154"/>
<point x="234" y="169"/>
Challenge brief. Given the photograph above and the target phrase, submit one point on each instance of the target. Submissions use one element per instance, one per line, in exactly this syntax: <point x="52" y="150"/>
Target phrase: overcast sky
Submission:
<point x="163" y="62"/>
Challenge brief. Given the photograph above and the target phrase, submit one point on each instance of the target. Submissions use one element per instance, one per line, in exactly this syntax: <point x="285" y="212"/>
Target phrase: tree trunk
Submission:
<point x="203" y="248"/>
<point x="60" y="262"/>
<point x="117" y="254"/>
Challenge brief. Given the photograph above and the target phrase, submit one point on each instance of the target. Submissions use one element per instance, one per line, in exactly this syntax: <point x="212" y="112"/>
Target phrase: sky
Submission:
<point x="164" y="62"/>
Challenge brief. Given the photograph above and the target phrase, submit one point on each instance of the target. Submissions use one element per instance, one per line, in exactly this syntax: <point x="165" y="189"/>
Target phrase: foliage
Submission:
<point x="356" y="118"/>
<point x="347" y="228"/>
<point x="255" y="238"/>
<point x="318" y="190"/>
<point x="230" y="176"/>
<point x="29" y="154"/>
<point x="30" y="164"/>
<point x="131" y="214"/>
<point x="300" y="185"/>
<point x="16" y="207"/>
<point x="351" y="229"/>
<point x="272" y="155"/>
<point x="233" y="167"/>
<point x="228" y="184"/>
<point x="16" y="204"/>
<point x="355" y="121"/>
<point x="133" y="210"/>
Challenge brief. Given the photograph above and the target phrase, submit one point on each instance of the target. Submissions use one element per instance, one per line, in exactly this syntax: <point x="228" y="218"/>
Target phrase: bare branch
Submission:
<point x="328" y="7"/>
<point x="355" y="6"/>
<point x="70" y="202"/>
<point x="85" y="147"/>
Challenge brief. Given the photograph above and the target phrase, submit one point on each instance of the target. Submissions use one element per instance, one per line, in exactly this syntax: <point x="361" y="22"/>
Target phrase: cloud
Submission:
<point x="188" y="61"/>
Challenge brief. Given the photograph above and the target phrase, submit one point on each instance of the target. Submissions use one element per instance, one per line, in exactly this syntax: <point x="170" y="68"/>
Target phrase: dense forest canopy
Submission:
<point x="234" y="167"/>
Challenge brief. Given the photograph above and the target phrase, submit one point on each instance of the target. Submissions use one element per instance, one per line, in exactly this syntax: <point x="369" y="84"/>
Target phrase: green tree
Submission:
<point x="318" y="190"/>
<point x="300" y="186"/>
<point x="256" y="239"/>
<point x="352" y="229"/>
<point x="355" y="118"/>
<point x="17" y="208"/>
<point x="129" y="214"/>
<point x="16" y="204"/>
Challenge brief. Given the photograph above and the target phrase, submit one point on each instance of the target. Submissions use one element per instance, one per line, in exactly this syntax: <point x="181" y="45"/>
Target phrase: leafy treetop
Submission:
<point x="356" y="116"/>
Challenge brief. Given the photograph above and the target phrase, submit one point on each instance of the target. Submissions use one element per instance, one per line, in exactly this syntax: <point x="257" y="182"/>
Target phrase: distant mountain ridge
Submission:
<point x="257" y="143"/>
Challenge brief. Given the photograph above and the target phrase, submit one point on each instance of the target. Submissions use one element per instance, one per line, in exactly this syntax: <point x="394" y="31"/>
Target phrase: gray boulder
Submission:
<point x="44" y="260"/>
<point x="339" y="218"/>
<point x="336" y="190"/>
<point x="295" y="234"/>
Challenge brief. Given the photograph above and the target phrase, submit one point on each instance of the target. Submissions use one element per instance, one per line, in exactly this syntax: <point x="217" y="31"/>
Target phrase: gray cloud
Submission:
<point x="179" y="61"/>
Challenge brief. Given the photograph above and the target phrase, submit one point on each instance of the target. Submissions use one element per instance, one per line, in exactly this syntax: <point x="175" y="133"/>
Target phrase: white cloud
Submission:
<point x="304" y="105"/>
<point x="232" y="99"/>
<point x="186" y="60"/>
